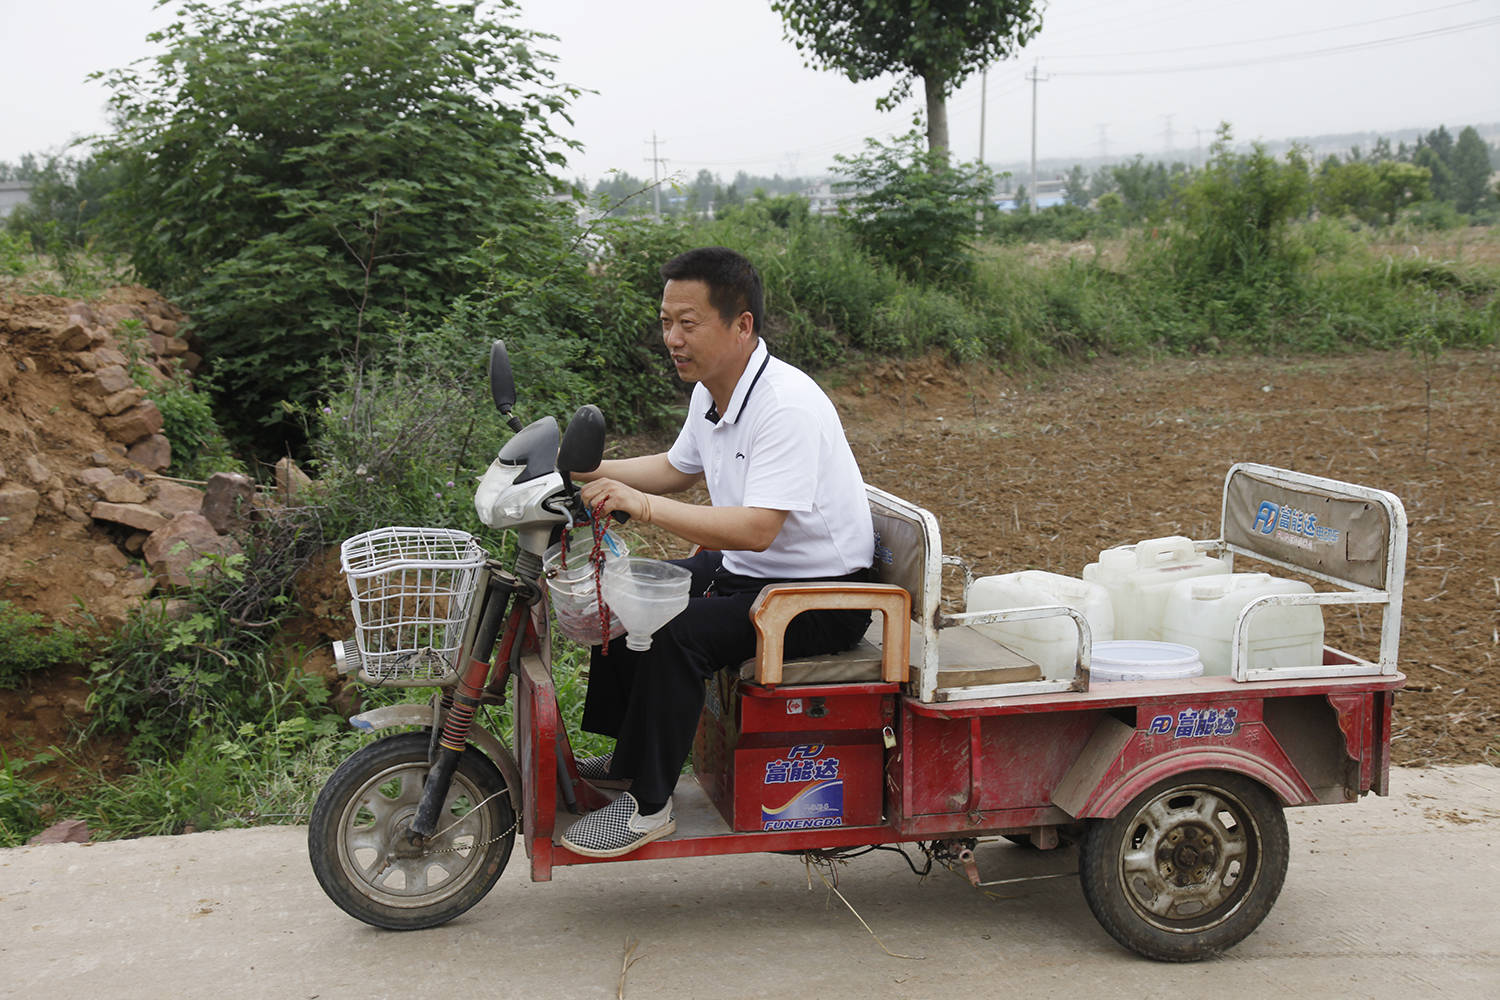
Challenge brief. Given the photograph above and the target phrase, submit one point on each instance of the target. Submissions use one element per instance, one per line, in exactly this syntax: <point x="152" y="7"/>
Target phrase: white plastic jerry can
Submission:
<point x="1202" y="614"/>
<point x="1050" y="643"/>
<point x="1139" y="579"/>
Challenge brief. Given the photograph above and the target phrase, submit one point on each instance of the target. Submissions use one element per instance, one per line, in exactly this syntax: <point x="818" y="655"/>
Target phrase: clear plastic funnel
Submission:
<point x="646" y="594"/>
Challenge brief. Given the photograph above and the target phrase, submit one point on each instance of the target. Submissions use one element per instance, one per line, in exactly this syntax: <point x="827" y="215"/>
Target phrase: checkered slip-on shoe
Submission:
<point x="595" y="770"/>
<point x="618" y="828"/>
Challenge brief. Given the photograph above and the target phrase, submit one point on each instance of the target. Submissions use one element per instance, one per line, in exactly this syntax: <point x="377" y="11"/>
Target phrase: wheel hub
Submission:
<point x="1188" y="854"/>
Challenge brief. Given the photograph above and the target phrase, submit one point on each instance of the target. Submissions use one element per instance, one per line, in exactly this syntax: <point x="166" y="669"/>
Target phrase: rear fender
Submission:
<point x="1115" y="767"/>
<point x="1285" y="785"/>
<point x="421" y="715"/>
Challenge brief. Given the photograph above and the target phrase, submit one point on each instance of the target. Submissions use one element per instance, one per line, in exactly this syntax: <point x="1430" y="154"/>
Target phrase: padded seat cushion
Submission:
<point x="858" y="665"/>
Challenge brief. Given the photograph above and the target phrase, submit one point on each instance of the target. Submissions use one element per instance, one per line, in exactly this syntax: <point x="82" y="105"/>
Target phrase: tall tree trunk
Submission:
<point x="937" y="114"/>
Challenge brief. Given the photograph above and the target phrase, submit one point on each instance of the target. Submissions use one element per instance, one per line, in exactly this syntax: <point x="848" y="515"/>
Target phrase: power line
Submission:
<point x="1291" y="56"/>
<point x="1269" y="38"/>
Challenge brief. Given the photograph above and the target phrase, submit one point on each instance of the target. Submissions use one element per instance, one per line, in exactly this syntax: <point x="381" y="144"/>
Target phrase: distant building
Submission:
<point x="822" y="199"/>
<point x="13" y="193"/>
<point x="1048" y="193"/>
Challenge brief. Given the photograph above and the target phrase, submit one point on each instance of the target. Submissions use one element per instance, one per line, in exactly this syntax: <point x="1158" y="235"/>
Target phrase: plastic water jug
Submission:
<point x="1050" y="643"/>
<point x="1138" y="581"/>
<point x="1202" y="613"/>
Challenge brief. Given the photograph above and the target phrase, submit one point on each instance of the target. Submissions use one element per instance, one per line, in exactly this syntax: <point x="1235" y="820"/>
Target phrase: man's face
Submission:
<point x="703" y="347"/>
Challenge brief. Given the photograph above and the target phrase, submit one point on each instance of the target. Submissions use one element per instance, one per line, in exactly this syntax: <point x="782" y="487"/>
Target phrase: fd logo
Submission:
<point x="1192" y="723"/>
<point x="1289" y="524"/>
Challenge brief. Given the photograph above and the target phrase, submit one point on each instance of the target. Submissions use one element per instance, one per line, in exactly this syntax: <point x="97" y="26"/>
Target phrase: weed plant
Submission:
<point x="29" y="643"/>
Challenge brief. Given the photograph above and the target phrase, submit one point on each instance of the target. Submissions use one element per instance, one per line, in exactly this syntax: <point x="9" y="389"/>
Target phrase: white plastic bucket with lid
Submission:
<point x="1143" y="660"/>
<point x="1202" y="614"/>
<point x="1139" y="579"/>
<point x="1050" y="643"/>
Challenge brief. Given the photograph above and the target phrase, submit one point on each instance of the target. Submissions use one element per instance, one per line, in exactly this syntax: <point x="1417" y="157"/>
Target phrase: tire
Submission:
<point x="370" y="797"/>
<point x="1189" y="868"/>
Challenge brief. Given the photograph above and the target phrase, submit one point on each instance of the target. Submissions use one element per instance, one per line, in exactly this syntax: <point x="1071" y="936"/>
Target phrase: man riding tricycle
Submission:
<point x="812" y="727"/>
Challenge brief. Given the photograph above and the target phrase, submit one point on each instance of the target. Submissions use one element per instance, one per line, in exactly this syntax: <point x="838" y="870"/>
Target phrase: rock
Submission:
<point x="171" y="550"/>
<point x="132" y="515"/>
<point x="77" y="706"/>
<point x="121" y="401"/>
<point x="111" y="355"/>
<point x="175" y="346"/>
<point x="69" y="831"/>
<point x="74" y="338"/>
<point x="94" y="476"/>
<point x="88" y="361"/>
<point x="103" y="577"/>
<point x="228" y="501"/>
<point x="135" y="423"/>
<point x="110" y="556"/>
<point x="38" y="472"/>
<point x="136" y="542"/>
<point x="82" y="312"/>
<point x="118" y="489"/>
<point x="2" y="471"/>
<point x="18" y="508"/>
<point x="99" y="458"/>
<point x="290" y="480"/>
<point x="153" y="452"/>
<point x="191" y="360"/>
<point x="106" y="381"/>
<point x="73" y="512"/>
<point x="58" y="499"/>
<point x="173" y="499"/>
<point x="138" y="587"/>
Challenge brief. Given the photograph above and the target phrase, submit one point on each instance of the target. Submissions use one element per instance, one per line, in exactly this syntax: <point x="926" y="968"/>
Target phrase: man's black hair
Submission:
<point x="734" y="285"/>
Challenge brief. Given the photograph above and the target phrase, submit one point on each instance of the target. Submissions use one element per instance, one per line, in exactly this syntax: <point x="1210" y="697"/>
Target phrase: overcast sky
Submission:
<point x="722" y="90"/>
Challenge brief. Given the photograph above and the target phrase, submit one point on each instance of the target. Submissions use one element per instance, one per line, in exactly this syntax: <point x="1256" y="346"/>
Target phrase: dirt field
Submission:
<point x="1045" y="475"/>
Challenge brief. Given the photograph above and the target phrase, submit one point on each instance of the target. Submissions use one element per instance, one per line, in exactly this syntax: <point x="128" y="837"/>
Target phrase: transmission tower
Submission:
<point x="1167" y="135"/>
<point x="1103" y="141"/>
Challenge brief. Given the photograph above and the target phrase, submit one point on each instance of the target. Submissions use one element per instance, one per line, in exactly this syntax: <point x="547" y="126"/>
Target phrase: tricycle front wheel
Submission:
<point x="371" y="798"/>
<point x="1189" y="868"/>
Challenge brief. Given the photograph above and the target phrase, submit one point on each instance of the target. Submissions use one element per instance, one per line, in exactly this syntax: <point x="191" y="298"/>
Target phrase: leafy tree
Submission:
<point x="308" y="175"/>
<point x="1372" y="191"/>
<point x="914" y="210"/>
<point x="67" y="196"/>
<point x="1471" y="170"/>
<point x="1434" y="151"/>
<point x="1076" y="187"/>
<point x="940" y="42"/>
<point x="1145" y="187"/>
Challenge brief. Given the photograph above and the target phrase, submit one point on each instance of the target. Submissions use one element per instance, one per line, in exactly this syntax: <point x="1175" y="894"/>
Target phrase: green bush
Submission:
<point x="29" y="643"/>
<point x="914" y="210"/>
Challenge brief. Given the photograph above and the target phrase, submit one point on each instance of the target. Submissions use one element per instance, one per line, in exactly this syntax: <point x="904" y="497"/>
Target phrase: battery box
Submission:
<point x="795" y="757"/>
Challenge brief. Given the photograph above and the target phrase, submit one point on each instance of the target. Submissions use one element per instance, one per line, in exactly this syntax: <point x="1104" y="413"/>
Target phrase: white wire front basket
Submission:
<point x="412" y="590"/>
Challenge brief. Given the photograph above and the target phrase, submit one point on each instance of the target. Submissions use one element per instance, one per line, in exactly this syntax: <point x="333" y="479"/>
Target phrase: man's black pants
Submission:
<point x="650" y="700"/>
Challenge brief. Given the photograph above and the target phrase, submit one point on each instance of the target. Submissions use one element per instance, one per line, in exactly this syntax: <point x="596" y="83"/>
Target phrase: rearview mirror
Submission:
<point x="502" y="383"/>
<point x="583" y="442"/>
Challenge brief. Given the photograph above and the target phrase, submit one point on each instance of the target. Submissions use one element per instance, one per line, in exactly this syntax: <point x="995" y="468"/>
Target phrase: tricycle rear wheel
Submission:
<point x="371" y="798"/>
<point x="1189" y="868"/>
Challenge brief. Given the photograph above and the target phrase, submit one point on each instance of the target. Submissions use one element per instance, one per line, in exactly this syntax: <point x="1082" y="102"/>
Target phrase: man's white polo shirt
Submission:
<point x="780" y="445"/>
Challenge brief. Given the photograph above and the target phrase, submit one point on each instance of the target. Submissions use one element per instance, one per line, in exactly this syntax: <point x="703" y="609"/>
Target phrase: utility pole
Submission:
<point x="1198" y="146"/>
<point x="984" y="93"/>
<point x="655" y="177"/>
<point x="1035" y="78"/>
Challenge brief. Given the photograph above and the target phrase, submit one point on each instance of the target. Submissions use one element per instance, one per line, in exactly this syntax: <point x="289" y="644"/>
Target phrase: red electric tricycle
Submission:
<point x="929" y="733"/>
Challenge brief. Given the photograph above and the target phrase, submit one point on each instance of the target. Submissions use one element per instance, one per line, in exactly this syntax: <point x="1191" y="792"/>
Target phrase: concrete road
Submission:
<point x="1396" y="897"/>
